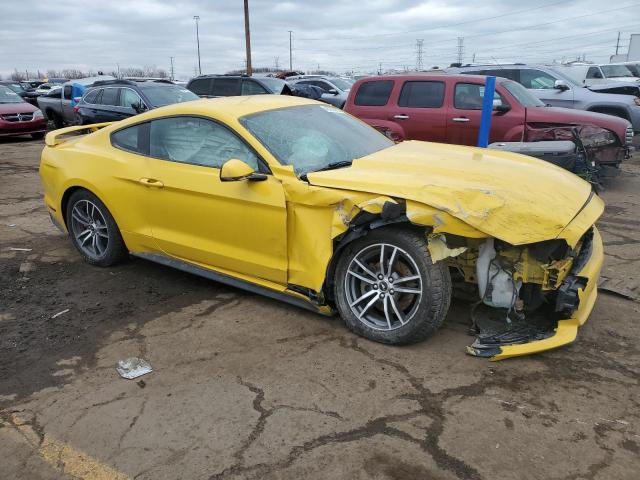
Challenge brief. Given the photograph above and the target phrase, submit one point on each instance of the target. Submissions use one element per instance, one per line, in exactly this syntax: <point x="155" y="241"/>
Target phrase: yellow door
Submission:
<point x="239" y="226"/>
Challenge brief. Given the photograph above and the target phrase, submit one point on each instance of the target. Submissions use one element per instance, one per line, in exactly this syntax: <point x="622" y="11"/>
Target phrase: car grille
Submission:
<point x="17" y="117"/>
<point x="628" y="136"/>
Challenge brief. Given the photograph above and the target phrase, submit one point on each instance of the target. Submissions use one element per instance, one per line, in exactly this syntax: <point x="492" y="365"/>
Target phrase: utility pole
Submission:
<point x="277" y="65"/>
<point x="618" y="43"/>
<point x="172" y="77"/>
<point x="419" y="44"/>
<point x="118" y="67"/>
<point x="247" y="37"/>
<point x="380" y="68"/>
<point x="197" y="19"/>
<point x="290" y="54"/>
<point x="460" y="49"/>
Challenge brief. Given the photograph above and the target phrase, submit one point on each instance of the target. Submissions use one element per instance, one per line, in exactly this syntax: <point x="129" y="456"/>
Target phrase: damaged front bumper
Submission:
<point x="581" y="283"/>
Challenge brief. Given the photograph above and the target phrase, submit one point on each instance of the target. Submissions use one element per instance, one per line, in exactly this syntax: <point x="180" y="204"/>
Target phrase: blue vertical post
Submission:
<point x="487" y="111"/>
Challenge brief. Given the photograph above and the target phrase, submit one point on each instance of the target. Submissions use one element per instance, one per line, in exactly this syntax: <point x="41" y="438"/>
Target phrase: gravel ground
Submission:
<point x="247" y="387"/>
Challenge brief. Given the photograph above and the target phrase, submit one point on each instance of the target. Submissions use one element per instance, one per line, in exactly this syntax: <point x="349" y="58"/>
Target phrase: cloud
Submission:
<point x="334" y="34"/>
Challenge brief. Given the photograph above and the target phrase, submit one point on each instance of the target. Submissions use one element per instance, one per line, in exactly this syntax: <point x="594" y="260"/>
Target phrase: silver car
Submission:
<point x="558" y="90"/>
<point x="335" y="89"/>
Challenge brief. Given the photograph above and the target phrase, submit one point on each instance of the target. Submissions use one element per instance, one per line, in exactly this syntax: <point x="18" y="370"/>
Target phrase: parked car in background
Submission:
<point x="299" y="201"/>
<point x="335" y="90"/>
<point x="45" y="87"/>
<point x="589" y="74"/>
<point x="59" y="104"/>
<point x="557" y="89"/>
<point x="447" y="109"/>
<point x="27" y="94"/>
<point x="18" y="117"/>
<point x="232" y="85"/>
<point x="112" y="100"/>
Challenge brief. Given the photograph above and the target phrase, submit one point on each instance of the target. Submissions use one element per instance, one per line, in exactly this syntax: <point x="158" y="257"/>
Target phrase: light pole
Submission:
<point x="290" y="54"/>
<point x="196" y="18"/>
<point x="247" y="37"/>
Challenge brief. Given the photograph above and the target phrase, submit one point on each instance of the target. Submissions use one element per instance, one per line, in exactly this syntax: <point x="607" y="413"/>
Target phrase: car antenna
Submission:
<point x="496" y="62"/>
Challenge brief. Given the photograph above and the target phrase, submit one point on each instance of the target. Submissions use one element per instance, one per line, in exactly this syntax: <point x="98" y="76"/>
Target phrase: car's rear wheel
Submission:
<point x="388" y="290"/>
<point x="93" y="230"/>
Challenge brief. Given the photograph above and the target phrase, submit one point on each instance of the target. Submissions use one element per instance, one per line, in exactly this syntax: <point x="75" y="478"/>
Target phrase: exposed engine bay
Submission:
<point x="520" y="291"/>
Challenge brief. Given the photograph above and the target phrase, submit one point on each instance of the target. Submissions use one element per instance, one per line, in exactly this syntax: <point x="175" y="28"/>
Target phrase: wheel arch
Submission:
<point x="393" y="215"/>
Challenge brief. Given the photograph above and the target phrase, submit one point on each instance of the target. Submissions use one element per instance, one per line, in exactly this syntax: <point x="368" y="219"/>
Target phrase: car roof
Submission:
<point x="423" y="76"/>
<point x="227" y="108"/>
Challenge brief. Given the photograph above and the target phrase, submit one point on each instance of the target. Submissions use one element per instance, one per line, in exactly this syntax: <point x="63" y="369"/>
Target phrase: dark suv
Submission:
<point x="113" y="100"/>
<point x="234" y="85"/>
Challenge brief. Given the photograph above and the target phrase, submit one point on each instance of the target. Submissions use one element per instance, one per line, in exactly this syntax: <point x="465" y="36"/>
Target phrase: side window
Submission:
<point x="226" y="87"/>
<point x="201" y="86"/>
<point x="536" y="79"/>
<point x="109" y="96"/>
<point x="132" y="139"/>
<point x="510" y="73"/>
<point x="422" y="94"/>
<point x="197" y="141"/>
<point x="594" y="72"/>
<point x="91" y="96"/>
<point x="374" y="94"/>
<point x="468" y="96"/>
<point x="129" y="97"/>
<point x="249" y="87"/>
<point x="67" y="92"/>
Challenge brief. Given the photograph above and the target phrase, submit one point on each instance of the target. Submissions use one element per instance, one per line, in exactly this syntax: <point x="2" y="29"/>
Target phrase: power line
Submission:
<point x="547" y="5"/>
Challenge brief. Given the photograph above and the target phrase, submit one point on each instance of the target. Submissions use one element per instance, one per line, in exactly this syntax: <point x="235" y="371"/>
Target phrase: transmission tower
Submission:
<point x="460" y="49"/>
<point x="419" y="44"/>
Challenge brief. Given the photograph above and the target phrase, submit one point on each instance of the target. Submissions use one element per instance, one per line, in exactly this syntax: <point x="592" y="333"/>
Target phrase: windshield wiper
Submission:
<point x="334" y="165"/>
<point x="330" y="166"/>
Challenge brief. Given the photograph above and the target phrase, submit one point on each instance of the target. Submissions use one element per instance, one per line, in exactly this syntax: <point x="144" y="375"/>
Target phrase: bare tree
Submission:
<point x="17" y="76"/>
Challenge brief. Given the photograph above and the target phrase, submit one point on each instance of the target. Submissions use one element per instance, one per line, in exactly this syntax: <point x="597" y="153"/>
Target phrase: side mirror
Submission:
<point x="139" y="107"/>
<point x="332" y="91"/>
<point x="502" y="108"/>
<point x="234" y="170"/>
<point x="560" y="85"/>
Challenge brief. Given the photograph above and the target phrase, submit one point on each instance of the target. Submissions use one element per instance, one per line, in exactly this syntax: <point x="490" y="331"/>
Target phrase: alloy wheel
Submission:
<point x="89" y="228"/>
<point x="383" y="286"/>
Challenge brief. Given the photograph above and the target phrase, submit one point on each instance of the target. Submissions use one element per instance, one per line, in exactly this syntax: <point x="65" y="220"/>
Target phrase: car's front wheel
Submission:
<point x="388" y="290"/>
<point x="93" y="230"/>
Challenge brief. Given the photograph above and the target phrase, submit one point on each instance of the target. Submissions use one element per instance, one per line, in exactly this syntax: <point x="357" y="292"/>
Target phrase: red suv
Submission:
<point x="447" y="109"/>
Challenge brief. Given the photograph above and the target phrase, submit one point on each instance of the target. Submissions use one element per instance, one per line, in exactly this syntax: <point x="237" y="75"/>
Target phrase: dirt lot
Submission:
<point x="247" y="387"/>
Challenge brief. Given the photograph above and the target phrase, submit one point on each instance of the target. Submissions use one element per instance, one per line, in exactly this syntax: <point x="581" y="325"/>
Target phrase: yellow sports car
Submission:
<point x="300" y="201"/>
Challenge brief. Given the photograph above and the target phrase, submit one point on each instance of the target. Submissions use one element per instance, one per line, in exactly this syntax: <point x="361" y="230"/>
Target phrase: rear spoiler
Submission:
<point x="54" y="138"/>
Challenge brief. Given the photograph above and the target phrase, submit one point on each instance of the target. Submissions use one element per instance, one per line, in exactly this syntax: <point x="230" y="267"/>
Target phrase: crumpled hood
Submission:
<point x="508" y="196"/>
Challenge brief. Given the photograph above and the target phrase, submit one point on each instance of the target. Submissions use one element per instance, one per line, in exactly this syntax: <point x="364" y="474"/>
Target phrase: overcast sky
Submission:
<point x="338" y="35"/>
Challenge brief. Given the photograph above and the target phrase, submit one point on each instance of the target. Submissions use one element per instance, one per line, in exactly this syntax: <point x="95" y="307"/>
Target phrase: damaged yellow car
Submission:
<point x="302" y="202"/>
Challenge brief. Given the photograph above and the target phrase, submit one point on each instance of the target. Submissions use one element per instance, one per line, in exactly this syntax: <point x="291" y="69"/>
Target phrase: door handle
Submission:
<point x="460" y="119"/>
<point x="151" y="182"/>
<point x="401" y="116"/>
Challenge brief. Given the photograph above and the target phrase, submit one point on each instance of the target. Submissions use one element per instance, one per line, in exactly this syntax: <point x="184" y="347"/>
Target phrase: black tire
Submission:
<point x="56" y="120"/>
<point x="109" y="248"/>
<point x="37" y="136"/>
<point x="428" y="311"/>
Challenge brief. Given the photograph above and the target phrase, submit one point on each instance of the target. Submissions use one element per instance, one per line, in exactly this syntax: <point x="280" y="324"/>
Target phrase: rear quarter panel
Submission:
<point x="90" y="162"/>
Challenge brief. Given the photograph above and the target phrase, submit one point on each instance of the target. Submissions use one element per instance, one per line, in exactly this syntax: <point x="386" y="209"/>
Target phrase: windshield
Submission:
<point x="9" y="96"/>
<point x="16" y="87"/>
<point x="522" y="95"/>
<point x="616" y="71"/>
<point x="565" y="77"/>
<point x="634" y="68"/>
<point x="340" y="83"/>
<point x="160" y="95"/>
<point x="313" y="137"/>
<point x="275" y="85"/>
